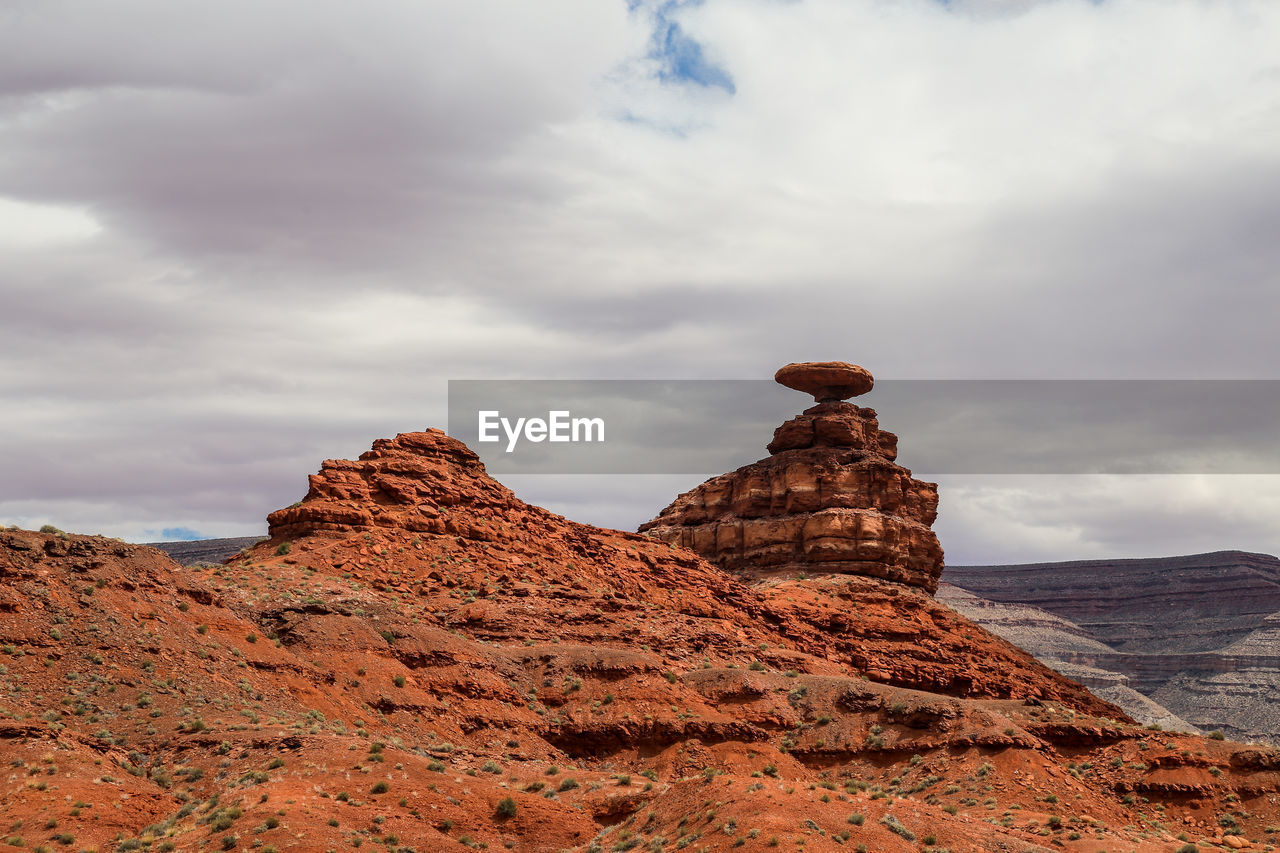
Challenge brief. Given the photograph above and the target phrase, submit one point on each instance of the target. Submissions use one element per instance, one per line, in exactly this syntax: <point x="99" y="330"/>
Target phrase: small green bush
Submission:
<point x="892" y="824"/>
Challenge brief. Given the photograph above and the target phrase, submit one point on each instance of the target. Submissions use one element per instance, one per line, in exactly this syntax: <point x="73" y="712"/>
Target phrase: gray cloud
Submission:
<point x="309" y="216"/>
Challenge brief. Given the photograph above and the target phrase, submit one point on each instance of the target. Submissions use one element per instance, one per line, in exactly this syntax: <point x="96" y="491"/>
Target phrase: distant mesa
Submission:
<point x="827" y="381"/>
<point x="828" y="500"/>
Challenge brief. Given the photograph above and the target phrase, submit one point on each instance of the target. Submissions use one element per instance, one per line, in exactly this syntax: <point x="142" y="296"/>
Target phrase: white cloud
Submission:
<point x="26" y="226"/>
<point x="1016" y="519"/>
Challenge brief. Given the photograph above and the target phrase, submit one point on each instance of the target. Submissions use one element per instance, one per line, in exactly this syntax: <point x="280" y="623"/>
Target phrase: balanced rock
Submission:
<point x="827" y="381"/>
<point x="828" y="500"/>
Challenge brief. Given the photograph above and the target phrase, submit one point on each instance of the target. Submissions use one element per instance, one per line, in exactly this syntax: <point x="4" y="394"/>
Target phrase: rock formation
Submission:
<point x="418" y="660"/>
<point x="828" y="500"/>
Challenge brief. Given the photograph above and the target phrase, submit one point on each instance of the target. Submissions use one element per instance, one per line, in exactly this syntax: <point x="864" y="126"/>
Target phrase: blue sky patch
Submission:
<point x="681" y="56"/>
<point x="178" y="534"/>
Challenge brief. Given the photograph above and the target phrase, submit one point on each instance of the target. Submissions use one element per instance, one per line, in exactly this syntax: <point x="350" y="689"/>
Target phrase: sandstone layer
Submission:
<point x="829" y="499"/>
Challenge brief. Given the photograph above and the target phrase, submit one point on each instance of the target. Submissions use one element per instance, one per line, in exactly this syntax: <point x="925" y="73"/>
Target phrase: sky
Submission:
<point x="240" y="238"/>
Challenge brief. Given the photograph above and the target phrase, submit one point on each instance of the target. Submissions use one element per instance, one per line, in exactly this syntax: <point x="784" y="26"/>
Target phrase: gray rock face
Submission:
<point x="197" y="551"/>
<point x="1059" y="644"/>
<point x="1197" y="636"/>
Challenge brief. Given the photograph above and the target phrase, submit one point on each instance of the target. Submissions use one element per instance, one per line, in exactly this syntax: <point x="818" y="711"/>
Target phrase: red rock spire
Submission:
<point x="828" y="500"/>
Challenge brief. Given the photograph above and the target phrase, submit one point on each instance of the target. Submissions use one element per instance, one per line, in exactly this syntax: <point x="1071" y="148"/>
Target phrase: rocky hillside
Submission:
<point x="1197" y="635"/>
<point x="418" y="661"/>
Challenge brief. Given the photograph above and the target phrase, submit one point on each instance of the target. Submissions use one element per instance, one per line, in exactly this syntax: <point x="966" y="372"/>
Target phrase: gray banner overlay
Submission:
<point x="944" y="426"/>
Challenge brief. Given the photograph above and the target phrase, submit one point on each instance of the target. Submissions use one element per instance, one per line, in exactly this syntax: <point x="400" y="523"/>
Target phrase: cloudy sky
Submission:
<point x="237" y="238"/>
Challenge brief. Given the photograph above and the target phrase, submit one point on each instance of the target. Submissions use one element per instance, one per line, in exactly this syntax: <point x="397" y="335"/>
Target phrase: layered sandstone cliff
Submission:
<point x="830" y="499"/>
<point x="1195" y="634"/>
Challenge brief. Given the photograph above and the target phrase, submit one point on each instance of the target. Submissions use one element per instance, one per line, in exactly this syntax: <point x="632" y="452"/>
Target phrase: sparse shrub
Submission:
<point x="892" y="824"/>
<point x="568" y="784"/>
<point x="506" y="807"/>
<point x="379" y="788"/>
<point x="1217" y="735"/>
<point x="857" y="818"/>
<point x="399" y="680"/>
<point x="283" y="548"/>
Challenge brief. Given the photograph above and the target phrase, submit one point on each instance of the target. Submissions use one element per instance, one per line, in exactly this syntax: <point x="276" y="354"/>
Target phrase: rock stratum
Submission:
<point x="1197" y="635"/>
<point x="830" y="499"/>
<point x="419" y="661"/>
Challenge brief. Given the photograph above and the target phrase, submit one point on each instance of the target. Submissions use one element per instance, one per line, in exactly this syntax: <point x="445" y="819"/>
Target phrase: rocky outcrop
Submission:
<point x="427" y="497"/>
<point x="412" y="482"/>
<point x="830" y="498"/>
